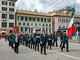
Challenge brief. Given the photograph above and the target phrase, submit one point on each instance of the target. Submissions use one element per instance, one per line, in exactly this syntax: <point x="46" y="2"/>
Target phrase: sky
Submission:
<point x="46" y="5"/>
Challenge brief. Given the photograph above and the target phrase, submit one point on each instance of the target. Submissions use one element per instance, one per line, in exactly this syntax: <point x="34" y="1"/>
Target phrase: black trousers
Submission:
<point x="55" y="41"/>
<point x="29" y="44"/>
<point x="35" y="44"/>
<point x="32" y="44"/>
<point x="43" y="45"/>
<point x="9" y="43"/>
<point x="38" y="45"/>
<point x="64" y="46"/>
<point x="26" y="42"/>
<point x="12" y="45"/>
<point x="60" y="43"/>
<point x="49" y="44"/>
<point x="38" y="41"/>
<point x="23" y="41"/>
<point x="16" y="47"/>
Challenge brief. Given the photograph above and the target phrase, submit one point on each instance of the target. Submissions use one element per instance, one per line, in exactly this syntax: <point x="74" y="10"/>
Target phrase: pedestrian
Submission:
<point x="9" y="39"/>
<point x="43" y="41"/>
<point x="26" y="38"/>
<point x="6" y="37"/>
<point x="61" y="39"/>
<point x="29" y="40"/>
<point x="64" y="41"/>
<point x="17" y="43"/>
<point x="49" y="40"/>
<point x="12" y="37"/>
<point x="32" y="40"/>
<point x="37" y="37"/>
<point x="55" y="38"/>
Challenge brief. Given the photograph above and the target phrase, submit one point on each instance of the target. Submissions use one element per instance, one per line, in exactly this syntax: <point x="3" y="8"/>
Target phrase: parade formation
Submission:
<point x="37" y="41"/>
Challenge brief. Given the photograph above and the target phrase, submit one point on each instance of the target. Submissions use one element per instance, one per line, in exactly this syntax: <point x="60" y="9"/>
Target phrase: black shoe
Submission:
<point x="50" y="49"/>
<point x="61" y="50"/>
<point x="41" y="53"/>
<point x="45" y="54"/>
<point x="67" y="51"/>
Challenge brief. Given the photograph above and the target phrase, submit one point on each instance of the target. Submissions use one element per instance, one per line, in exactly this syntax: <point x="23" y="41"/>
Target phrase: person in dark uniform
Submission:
<point x="61" y="39"/>
<point x="26" y="38"/>
<point x="64" y="41"/>
<point x="55" y="38"/>
<point x="9" y="39"/>
<point x="32" y="40"/>
<point x="49" y="40"/>
<point x="12" y="37"/>
<point x="37" y="37"/>
<point x="19" y="37"/>
<point x="16" y="42"/>
<point x="43" y="41"/>
<point x="23" y="40"/>
<point x="29" y="40"/>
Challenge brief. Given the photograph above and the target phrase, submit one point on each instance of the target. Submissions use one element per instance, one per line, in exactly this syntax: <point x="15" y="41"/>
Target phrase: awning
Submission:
<point x="3" y="32"/>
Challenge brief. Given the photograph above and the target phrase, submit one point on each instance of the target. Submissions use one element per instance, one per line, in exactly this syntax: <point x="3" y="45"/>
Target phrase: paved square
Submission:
<point x="25" y="53"/>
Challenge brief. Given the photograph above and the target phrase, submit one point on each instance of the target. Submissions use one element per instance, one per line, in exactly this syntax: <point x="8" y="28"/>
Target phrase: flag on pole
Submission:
<point x="15" y="29"/>
<point x="71" y="27"/>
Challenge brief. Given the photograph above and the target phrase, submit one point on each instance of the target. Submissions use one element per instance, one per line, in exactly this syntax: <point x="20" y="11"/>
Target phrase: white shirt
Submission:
<point x="16" y="39"/>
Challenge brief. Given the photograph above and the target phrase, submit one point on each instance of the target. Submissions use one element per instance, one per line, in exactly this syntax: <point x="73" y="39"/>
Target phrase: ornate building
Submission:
<point x="30" y="21"/>
<point x="7" y="15"/>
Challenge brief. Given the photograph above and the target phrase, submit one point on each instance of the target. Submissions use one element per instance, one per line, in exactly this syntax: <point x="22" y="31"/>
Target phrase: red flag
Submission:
<point x="15" y="29"/>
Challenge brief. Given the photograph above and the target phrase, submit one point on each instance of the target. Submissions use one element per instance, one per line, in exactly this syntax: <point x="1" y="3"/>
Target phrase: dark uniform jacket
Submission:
<point x="43" y="38"/>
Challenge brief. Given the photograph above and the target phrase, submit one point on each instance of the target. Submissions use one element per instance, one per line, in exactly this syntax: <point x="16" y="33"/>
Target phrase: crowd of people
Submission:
<point x="37" y="41"/>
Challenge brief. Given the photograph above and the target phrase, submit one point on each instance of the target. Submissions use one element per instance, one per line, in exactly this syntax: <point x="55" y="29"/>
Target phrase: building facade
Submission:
<point x="31" y="21"/>
<point x="7" y="15"/>
<point x="61" y="22"/>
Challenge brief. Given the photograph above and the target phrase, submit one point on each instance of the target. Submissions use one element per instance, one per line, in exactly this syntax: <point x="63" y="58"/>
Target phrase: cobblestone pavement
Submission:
<point x="25" y="53"/>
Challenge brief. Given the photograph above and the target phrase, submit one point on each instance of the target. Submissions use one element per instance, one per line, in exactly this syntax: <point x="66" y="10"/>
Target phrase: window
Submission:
<point x="62" y="20"/>
<point x="4" y="16"/>
<point x="34" y="19"/>
<point x="46" y="29"/>
<point x="39" y="24"/>
<point x="46" y="24"/>
<point x="4" y="8"/>
<point x="11" y="9"/>
<point x="35" y="24"/>
<point x="41" y="19"/>
<point x="21" y="17"/>
<point x="23" y="23"/>
<point x="49" y="20"/>
<point x="11" y="3"/>
<point x="26" y="18"/>
<point x="44" y="20"/>
<point x="69" y="20"/>
<point x="18" y="18"/>
<point x="4" y="3"/>
<point x="4" y="24"/>
<point x="49" y="29"/>
<point x="63" y="27"/>
<point x="59" y="20"/>
<point x="19" y="23"/>
<point x="11" y="24"/>
<point x="49" y="25"/>
<point x="11" y="16"/>
<point x="66" y="20"/>
<point x="21" y="29"/>
<point x="38" y="19"/>
<point x="27" y="24"/>
<point x="29" y="18"/>
<point x="31" y="24"/>
<point x="59" y="27"/>
<point x="25" y="29"/>
<point x="43" y="24"/>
